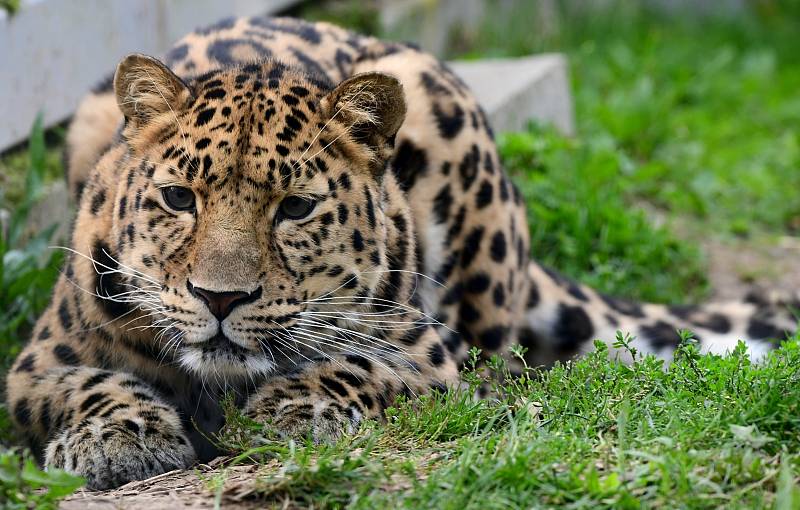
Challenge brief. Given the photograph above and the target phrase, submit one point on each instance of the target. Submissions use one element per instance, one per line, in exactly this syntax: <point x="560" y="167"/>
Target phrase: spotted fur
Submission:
<point x="415" y="248"/>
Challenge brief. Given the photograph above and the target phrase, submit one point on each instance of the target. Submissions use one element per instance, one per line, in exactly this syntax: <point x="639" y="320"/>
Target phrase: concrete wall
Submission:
<point x="53" y="51"/>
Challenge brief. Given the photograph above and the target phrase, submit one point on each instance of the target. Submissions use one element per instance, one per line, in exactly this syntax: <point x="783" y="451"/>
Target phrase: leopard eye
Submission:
<point x="178" y="198"/>
<point x="295" y="208"/>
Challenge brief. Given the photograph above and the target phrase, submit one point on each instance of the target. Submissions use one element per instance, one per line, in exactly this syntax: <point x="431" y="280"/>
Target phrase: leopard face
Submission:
<point x="251" y="198"/>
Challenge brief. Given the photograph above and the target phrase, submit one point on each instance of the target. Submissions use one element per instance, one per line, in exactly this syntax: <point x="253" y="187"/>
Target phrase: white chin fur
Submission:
<point x="219" y="366"/>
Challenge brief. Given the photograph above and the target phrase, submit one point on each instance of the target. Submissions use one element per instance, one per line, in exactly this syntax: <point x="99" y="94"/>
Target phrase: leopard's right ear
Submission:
<point x="146" y="88"/>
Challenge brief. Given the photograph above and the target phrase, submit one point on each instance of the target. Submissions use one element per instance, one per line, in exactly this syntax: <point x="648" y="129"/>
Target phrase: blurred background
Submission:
<point x="660" y="160"/>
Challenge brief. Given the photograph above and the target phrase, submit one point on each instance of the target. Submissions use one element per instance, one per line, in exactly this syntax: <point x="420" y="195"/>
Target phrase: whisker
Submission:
<point x="408" y="271"/>
<point x="413" y="324"/>
<point x="322" y="353"/>
<point x="141" y="317"/>
<point x="103" y="324"/>
<point x="310" y="336"/>
<point x="133" y="272"/>
<point x="341" y="300"/>
<point x="364" y="338"/>
<point x="277" y="346"/>
<point x="171" y="345"/>
<point x="280" y="342"/>
<point x="282" y="339"/>
<point x="344" y="342"/>
<point x="372" y="356"/>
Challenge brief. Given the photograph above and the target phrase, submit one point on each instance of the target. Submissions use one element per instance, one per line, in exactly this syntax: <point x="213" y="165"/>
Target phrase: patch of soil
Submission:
<point x="178" y="490"/>
<point x="737" y="266"/>
<point x="241" y="487"/>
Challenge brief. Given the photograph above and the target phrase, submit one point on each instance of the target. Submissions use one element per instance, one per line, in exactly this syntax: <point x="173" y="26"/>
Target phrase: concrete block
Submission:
<point x="53" y="51"/>
<point x="513" y="91"/>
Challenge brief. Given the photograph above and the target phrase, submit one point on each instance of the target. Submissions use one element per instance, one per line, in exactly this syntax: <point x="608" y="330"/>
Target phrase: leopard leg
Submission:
<point x="328" y="397"/>
<point x="109" y="427"/>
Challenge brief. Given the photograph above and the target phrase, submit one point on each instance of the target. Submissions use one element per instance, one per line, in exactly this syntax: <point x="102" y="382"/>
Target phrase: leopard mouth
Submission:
<point x="220" y="342"/>
<point x="219" y="356"/>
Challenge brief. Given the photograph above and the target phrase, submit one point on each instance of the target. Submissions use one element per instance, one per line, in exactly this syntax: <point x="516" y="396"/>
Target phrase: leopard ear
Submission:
<point x="372" y="106"/>
<point x="146" y="88"/>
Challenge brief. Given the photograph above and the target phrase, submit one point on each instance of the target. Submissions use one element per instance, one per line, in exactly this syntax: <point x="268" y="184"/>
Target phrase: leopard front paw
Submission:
<point x="321" y="421"/>
<point x="112" y="453"/>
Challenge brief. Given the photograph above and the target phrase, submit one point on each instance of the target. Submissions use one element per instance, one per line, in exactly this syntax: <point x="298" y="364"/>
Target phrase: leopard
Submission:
<point x="310" y="223"/>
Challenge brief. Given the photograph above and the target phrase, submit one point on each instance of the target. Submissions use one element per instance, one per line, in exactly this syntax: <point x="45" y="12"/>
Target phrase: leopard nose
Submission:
<point x="221" y="304"/>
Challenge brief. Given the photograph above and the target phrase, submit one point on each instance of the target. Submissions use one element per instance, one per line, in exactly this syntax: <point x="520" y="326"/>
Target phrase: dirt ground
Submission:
<point x="740" y="265"/>
<point x="178" y="490"/>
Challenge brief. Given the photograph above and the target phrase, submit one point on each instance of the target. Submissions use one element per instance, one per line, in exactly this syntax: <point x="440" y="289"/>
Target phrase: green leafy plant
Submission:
<point x="10" y="6"/>
<point x="24" y="486"/>
<point x="28" y="269"/>
<point x="359" y="15"/>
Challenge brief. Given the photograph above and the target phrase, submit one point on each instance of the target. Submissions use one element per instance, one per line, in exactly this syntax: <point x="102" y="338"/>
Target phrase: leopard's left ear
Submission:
<point x="372" y="106"/>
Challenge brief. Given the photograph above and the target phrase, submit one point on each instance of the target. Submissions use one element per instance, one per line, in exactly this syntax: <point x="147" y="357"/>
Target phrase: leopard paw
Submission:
<point x="112" y="453"/>
<point x="322" y="421"/>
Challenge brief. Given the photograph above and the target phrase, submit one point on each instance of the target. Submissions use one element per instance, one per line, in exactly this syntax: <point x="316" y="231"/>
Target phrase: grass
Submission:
<point x="702" y="111"/>
<point x="582" y="224"/>
<point x="704" y="432"/>
<point x="696" y="120"/>
<point x="28" y="269"/>
<point x="14" y="165"/>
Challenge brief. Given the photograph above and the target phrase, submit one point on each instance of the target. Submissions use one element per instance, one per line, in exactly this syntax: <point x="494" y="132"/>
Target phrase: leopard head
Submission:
<point x="250" y="203"/>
